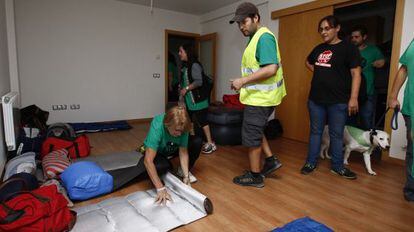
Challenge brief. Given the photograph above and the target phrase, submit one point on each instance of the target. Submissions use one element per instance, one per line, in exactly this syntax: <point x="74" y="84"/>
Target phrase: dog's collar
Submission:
<point x="372" y="133"/>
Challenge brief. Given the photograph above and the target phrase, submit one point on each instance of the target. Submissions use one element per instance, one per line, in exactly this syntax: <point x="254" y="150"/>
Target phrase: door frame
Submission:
<point x="197" y="38"/>
<point x="212" y="37"/>
<point x="396" y="41"/>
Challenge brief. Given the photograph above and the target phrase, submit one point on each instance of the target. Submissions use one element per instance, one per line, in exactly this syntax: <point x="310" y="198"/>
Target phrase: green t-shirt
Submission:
<point x="173" y="68"/>
<point x="189" y="99"/>
<point x="160" y="140"/>
<point x="266" y="52"/>
<point x="369" y="55"/>
<point x="407" y="59"/>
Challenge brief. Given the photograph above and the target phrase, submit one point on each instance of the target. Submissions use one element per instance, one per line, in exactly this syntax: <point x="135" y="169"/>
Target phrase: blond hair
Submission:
<point x="177" y="118"/>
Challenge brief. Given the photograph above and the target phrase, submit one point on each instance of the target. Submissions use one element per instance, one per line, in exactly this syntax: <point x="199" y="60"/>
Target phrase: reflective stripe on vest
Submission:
<point x="264" y="87"/>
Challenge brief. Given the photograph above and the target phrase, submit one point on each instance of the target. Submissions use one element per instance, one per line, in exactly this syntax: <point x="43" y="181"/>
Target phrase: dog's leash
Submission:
<point x="394" y="122"/>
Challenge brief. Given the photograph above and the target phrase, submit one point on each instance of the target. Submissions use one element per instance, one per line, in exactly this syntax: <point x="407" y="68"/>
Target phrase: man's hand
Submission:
<point x="162" y="196"/>
<point x="393" y="103"/>
<point x="352" y="106"/>
<point x="237" y="84"/>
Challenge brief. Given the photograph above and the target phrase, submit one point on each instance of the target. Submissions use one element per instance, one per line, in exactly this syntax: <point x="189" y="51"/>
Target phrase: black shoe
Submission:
<point x="248" y="179"/>
<point x="307" y="169"/>
<point x="270" y="166"/>
<point x="345" y="173"/>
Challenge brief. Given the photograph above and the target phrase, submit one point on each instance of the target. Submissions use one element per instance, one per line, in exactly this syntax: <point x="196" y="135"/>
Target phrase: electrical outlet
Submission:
<point x="156" y="75"/>
<point x="59" y="107"/>
<point x="74" y="106"/>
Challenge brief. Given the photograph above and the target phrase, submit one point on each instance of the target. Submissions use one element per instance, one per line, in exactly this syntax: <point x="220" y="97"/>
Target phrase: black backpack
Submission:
<point x="202" y="93"/>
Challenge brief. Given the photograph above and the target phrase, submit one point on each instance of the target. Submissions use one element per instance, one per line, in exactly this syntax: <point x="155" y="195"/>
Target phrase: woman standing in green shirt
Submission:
<point x="169" y="136"/>
<point x="406" y="70"/>
<point x="195" y="97"/>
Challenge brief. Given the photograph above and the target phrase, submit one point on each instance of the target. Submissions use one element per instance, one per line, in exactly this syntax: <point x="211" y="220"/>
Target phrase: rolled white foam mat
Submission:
<point x="139" y="212"/>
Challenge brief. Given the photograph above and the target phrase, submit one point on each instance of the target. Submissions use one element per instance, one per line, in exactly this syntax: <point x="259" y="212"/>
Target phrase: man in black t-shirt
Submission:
<point x="334" y="94"/>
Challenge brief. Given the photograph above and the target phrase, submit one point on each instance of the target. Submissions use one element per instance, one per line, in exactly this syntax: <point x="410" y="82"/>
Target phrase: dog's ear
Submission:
<point x="372" y="133"/>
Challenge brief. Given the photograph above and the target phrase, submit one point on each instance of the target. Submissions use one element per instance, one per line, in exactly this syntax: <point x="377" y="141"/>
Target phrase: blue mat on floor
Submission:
<point x="100" y="126"/>
<point x="305" y="224"/>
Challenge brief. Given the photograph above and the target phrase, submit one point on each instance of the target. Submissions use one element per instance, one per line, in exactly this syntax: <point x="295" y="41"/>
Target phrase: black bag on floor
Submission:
<point x="29" y="140"/>
<point x="33" y="116"/>
<point x="17" y="183"/>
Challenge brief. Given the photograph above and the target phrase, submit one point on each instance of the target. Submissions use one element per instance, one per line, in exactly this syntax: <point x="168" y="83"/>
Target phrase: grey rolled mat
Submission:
<point x="114" y="161"/>
<point x="138" y="211"/>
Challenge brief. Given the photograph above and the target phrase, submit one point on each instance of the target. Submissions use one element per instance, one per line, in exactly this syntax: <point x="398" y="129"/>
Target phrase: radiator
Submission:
<point x="11" y="119"/>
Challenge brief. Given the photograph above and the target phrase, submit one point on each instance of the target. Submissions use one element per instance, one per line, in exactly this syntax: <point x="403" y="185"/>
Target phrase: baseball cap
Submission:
<point x="243" y="11"/>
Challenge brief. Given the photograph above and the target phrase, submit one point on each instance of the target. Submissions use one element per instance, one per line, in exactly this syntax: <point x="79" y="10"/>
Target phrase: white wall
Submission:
<point x="4" y="78"/>
<point x="398" y="138"/>
<point x="100" y="54"/>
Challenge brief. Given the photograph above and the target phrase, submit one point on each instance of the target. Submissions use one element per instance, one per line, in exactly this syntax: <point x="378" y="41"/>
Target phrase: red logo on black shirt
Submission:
<point x="324" y="58"/>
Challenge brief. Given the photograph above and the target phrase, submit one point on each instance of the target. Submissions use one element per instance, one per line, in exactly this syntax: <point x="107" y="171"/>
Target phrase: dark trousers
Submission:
<point x="409" y="184"/>
<point x="194" y="148"/>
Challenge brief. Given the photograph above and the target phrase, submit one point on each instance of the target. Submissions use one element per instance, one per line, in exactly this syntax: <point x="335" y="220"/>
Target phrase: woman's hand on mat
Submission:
<point x="186" y="180"/>
<point x="162" y="196"/>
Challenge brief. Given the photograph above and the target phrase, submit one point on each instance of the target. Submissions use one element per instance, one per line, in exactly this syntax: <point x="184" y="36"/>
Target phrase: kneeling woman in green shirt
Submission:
<point x="169" y="136"/>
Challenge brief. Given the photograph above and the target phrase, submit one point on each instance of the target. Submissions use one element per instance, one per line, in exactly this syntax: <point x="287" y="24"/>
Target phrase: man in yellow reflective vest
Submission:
<point x="261" y="89"/>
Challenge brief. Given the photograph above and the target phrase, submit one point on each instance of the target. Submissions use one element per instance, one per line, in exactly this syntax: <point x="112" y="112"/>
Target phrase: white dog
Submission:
<point x="358" y="140"/>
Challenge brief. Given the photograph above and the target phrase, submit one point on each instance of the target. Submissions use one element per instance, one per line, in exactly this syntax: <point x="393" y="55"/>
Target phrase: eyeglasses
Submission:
<point x="322" y="29"/>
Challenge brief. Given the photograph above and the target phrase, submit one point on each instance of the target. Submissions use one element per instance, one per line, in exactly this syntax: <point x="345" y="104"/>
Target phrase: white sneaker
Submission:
<point x="209" y="148"/>
<point x="180" y="173"/>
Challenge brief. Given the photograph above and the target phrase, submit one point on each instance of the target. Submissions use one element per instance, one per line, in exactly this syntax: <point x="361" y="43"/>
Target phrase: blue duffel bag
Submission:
<point x="84" y="180"/>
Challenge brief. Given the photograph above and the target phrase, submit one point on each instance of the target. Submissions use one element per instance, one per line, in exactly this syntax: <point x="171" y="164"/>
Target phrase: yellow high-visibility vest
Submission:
<point x="268" y="92"/>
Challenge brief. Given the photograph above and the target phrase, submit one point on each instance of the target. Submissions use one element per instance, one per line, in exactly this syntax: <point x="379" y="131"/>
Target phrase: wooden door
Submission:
<point x="207" y="55"/>
<point x="298" y="35"/>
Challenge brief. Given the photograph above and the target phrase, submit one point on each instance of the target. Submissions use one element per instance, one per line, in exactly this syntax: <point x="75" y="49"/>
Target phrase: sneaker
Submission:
<point x="307" y="169"/>
<point x="247" y="179"/>
<point x="346" y="173"/>
<point x="180" y="174"/>
<point x="270" y="166"/>
<point x="209" y="148"/>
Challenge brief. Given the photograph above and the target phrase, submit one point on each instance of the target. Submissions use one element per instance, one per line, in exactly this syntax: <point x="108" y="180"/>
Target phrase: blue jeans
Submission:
<point x="337" y="116"/>
<point x="367" y="113"/>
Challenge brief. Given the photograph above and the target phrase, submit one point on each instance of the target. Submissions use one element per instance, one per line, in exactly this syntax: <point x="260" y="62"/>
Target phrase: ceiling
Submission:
<point x="195" y="7"/>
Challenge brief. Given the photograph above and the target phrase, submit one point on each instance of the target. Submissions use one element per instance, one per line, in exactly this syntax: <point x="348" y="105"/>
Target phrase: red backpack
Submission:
<point x="43" y="209"/>
<point x="77" y="148"/>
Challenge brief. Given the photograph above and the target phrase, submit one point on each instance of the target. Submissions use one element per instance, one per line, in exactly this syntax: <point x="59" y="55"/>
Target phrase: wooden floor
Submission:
<point x="370" y="203"/>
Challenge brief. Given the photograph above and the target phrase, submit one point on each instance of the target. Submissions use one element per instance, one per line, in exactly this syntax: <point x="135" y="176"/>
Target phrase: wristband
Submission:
<point x="160" y="189"/>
